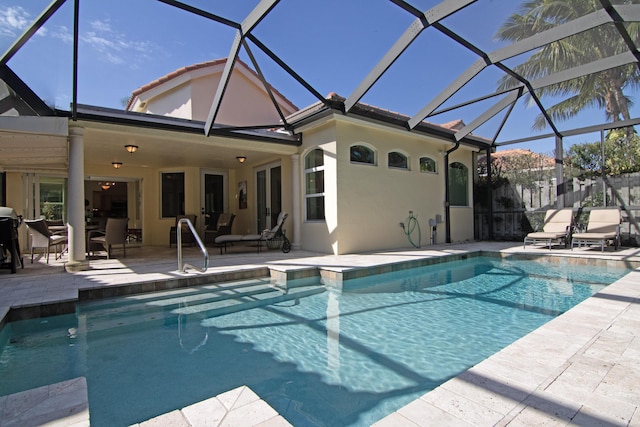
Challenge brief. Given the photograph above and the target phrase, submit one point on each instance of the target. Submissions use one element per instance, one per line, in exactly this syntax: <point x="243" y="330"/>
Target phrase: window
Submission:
<point x="52" y="197"/>
<point x="397" y="160"/>
<point x="458" y="184"/>
<point x="314" y="185"/>
<point x="172" y="194"/>
<point x="427" y="164"/>
<point x="362" y="154"/>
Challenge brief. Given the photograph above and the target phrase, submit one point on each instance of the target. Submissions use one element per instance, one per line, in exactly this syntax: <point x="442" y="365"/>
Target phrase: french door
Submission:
<point x="269" y="195"/>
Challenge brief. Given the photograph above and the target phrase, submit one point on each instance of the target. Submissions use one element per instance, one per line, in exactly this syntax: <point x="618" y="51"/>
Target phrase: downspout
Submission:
<point x="490" y="193"/>
<point x="447" y="213"/>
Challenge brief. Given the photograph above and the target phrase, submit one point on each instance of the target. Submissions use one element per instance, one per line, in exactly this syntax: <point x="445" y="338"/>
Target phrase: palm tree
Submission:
<point x="603" y="90"/>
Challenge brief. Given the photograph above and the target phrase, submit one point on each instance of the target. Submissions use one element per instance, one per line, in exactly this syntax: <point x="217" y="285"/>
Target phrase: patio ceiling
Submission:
<point x="398" y="34"/>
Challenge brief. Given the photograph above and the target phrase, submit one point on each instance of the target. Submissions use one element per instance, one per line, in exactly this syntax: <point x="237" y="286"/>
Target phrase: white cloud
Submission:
<point x="114" y="46"/>
<point x="14" y="20"/>
<point x="63" y="34"/>
<point x="109" y="44"/>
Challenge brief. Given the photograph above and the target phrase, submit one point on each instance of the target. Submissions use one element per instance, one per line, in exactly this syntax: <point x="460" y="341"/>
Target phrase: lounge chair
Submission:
<point x="558" y="226"/>
<point x="187" y="237"/>
<point x="223" y="226"/>
<point x="603" y="227"/>
<point x="115" y="233"/>
<point x="42" y="238"/>
<point x="268" y="235"/>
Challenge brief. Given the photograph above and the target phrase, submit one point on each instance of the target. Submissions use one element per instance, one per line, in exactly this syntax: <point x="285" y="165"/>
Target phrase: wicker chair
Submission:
<point x="115" y="233"/>
<point x="42" y="238"/>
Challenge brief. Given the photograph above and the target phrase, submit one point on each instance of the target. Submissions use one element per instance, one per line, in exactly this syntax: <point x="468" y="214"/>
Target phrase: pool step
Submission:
<point x="208" y="302"/>
<point x="167" y="300"/>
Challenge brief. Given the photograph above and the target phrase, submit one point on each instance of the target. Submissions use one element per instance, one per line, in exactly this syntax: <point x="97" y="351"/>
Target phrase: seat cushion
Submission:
<point x="229" y="238"/>
<point x="544" y="235"/>
<point x="594" y="236"/>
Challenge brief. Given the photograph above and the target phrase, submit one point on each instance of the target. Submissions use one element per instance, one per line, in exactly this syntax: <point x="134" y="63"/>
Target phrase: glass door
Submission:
<point x="269" y="195"/>
<point x="213" y="200"/>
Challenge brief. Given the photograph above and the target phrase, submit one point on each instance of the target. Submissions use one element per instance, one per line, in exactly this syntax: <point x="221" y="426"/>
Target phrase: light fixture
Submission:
<point x="106" y="185"/>
<point x="241" y="159"/>
<point x="131" y="148"/>
<point x="117" y="165"/>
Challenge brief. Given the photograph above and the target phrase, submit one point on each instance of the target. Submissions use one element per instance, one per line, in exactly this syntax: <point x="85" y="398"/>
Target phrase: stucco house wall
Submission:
<point x="321" y="236"/>
<point x="188" y="94"/>
<point x="462" y="222"/>
<point x="365" y="204"/>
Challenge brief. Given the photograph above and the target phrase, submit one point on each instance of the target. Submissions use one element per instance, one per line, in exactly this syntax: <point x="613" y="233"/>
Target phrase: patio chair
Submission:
<point x="268" y="235"/>
<point x="42" y="238"/>
<point x="187" y="237"/>
<point x="603" y="227"/>
<point x="115" y="233"/>
<point x="558" y="226"/>
<point x="223" y="226"/>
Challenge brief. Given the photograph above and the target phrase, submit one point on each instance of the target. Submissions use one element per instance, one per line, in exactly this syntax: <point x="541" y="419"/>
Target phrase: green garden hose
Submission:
<point x="412" y="225"/>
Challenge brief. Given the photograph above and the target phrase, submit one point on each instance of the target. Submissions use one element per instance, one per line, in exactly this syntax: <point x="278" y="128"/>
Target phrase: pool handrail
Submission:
<point x="182" y="266"/>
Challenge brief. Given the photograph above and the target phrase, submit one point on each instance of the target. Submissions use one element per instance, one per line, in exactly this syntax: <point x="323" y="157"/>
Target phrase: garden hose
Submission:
<point x="412" y="225"/>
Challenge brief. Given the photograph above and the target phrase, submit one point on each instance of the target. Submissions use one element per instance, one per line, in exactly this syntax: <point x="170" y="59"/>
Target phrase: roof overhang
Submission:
<point x="335" y="105"/>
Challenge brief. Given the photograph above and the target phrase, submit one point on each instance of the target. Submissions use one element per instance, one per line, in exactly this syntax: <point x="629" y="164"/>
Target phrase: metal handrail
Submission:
<point x="205" y="253"/>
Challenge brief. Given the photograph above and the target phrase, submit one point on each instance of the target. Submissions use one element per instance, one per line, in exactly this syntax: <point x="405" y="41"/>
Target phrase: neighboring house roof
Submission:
<point x="174" y="75"/>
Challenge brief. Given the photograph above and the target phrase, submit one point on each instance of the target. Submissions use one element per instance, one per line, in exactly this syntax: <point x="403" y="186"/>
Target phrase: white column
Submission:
<point x="75" y="201"/>
<point x="295" y="181"/>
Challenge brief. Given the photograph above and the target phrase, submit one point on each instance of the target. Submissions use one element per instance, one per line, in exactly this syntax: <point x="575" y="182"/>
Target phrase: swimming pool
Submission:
<point x="320" y="357"/>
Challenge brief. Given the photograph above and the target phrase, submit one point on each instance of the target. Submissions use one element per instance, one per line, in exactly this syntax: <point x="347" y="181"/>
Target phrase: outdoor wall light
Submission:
<point x="131" y="148"/>
<point x="117" y="165"/>
<point x="241" y="159"/>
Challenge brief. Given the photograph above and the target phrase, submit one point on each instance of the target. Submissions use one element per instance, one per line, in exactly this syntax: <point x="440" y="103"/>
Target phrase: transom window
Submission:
<point x="362" y="154"/>
<point x="314" y="184"/>
<point x="458" y="184"/>
<point x="427" y="164"/>
<point x="397" y="160"/>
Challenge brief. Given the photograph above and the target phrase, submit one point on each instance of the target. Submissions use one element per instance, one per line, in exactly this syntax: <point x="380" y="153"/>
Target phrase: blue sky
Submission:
<point x="332" y="44"/>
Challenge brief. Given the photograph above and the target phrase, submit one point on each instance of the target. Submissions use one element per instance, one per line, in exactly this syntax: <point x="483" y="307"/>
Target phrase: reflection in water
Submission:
<point x="190" y="332"/>
<point x="333" y="337"/>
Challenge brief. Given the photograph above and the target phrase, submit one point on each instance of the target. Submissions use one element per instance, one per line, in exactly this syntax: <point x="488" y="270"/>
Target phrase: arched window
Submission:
<point x="427" y="164"/>
<point x="458" y="184"/>
<point x="362" y="154"/>
<point x="397" y="160"/>
<point x="314" y="185"/>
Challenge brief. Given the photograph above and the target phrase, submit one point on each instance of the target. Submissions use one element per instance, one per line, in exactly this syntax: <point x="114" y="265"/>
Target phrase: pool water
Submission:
<point x="320" y="357"/>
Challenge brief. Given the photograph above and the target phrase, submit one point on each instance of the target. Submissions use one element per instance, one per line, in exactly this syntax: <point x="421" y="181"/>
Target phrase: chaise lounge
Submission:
<point x="558" y="226"/>
<point x="267" y="235"/>
<point x="603" y="227"/>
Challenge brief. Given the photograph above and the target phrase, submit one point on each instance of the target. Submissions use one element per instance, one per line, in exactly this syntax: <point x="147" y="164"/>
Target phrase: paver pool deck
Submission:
<point x="581" y="368"/>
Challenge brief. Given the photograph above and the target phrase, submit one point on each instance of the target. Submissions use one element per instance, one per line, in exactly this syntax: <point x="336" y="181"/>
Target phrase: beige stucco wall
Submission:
<point x="174" y="103"/>
<point x="245" y="102"/>
<point x="366" y="204"/>
<point x="461" y="216"/>
<point x="321" y="236"/>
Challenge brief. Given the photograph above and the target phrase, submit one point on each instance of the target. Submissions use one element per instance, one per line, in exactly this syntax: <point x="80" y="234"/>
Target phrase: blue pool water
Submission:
<point x="331" y="358"/>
